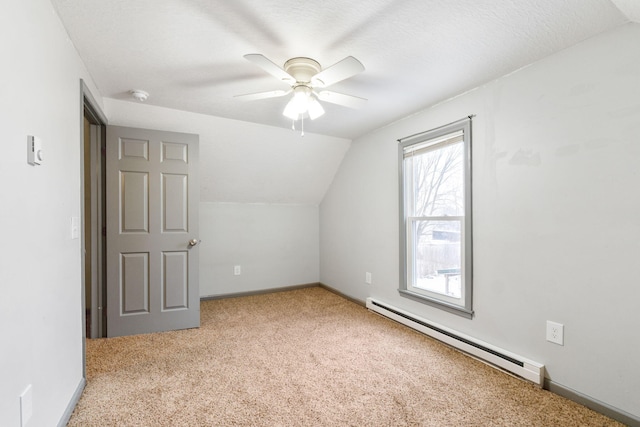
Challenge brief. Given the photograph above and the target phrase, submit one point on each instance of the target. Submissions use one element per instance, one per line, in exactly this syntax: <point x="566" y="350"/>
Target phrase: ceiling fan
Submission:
<point x="307" y="80"/>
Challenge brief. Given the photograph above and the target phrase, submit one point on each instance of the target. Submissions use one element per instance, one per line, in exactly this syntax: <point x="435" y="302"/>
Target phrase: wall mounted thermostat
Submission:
<point x="34" y="150"/>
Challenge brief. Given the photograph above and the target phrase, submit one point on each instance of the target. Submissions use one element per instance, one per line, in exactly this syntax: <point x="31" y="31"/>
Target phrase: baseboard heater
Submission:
<point x="508" y="361"/>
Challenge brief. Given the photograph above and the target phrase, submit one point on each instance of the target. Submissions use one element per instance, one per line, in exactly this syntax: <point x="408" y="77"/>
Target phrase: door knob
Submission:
<point x="193" y="242"/>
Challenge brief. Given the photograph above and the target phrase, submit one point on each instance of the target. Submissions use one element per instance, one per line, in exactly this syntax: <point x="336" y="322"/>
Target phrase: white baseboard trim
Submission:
<point x="591" y="403"/>
<point x="258" y="292"/>
<point x="72" y="403"/>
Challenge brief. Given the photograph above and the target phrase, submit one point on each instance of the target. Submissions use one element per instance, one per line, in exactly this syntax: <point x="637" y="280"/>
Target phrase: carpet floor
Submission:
<point x="305" y="357"/>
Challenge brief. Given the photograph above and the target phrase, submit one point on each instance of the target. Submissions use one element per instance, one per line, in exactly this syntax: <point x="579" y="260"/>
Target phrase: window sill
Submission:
<point x="460" y="311"/>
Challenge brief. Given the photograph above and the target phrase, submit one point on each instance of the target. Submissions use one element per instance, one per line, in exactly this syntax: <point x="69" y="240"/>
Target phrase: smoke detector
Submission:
<point x="139" y="95"/>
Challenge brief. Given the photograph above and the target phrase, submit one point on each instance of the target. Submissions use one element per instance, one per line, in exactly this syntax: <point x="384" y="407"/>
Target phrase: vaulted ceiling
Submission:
<point x="188" y="54"/>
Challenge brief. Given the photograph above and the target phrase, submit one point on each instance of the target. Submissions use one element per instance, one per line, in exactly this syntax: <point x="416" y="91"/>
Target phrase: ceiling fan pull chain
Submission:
<point x="302" y="125"/>
<point x="293" y="125"/>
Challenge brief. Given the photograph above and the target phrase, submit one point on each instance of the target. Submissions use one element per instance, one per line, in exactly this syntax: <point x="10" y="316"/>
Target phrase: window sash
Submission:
<point x="412" y="259"/>
<point x="412" y="146"/>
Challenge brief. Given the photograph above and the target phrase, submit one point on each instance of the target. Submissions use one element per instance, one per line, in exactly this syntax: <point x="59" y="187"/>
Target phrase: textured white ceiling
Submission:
<point x="188" y="53"/>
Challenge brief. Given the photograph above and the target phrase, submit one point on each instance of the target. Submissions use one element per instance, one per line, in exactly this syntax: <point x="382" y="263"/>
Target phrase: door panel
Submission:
<point x="175" y="280"/>
<point x="133" y="148"/>
<point x="134" y="283"/>
<point x="175" y="208"/>
<point x="152" y="214"/>
<point x="134" y="202"/>
<point x="174" y="152"/>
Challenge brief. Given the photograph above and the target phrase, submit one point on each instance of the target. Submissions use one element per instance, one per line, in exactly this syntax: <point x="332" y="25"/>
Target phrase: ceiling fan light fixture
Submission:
<point x="303" y="101"/>
<point x="291" y="110"/>
<point x="315" y="109"/>
<point x="301" y="98"/>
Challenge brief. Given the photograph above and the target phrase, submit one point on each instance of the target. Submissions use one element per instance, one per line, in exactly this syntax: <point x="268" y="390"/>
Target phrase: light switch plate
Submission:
<point x="75" y="227"/>
<point x="34" y="150"/>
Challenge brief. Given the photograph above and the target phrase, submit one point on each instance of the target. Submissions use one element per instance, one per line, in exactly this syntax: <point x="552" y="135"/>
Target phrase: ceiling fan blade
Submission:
<point x="342" y="99"/>
<point x="262" y="95"/>
<point x="339" y="71"/>
<point x="271" y="68"/>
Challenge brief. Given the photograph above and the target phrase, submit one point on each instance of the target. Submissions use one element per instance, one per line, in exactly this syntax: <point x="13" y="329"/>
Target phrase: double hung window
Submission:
<point x="435" y="191"/>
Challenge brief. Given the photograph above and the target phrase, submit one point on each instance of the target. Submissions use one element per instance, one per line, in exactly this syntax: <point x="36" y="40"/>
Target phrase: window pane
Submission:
<point x="438" y="257"/>
<point x="438" y="181"/>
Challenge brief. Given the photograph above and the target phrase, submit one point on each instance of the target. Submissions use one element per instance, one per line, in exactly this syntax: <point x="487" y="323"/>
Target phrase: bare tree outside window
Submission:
<point x="438" y="181"/>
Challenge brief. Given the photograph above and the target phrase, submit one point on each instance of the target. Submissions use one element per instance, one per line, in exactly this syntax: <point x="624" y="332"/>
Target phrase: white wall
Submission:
<point x="275" y="245"/>
<point x="40" y="265"/>
<point x="259" y="194"/>
<point x="556" y="215"/>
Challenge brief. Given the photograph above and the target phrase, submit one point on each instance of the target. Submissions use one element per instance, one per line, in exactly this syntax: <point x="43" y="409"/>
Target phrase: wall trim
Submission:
<point x="345" y="296"/>
<point x="591" y="403"/>
<point x="259" y="292"/>
<point x="284" y="289"/>
<point x="66" y="416"/>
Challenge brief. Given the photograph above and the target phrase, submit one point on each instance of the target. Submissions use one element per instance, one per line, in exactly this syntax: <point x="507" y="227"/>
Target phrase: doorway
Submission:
<point x="160" y="288"/>
<point x="93" y="216"/>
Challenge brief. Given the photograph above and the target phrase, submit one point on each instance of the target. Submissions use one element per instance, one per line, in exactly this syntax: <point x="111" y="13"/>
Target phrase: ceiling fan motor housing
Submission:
<point x="302" y="69"/>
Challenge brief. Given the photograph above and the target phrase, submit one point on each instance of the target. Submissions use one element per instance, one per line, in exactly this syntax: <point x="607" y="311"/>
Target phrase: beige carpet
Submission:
<point x="304" y="358"/>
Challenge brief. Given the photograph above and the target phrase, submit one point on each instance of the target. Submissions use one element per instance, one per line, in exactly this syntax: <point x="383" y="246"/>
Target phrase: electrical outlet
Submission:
<point x="367" y="278"/>
<point x="237" y="270"/>
<point x="555" y="332"/>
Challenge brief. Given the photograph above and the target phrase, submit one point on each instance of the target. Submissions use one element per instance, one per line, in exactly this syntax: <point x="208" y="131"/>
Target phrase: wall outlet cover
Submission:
<point x="555" y="332"/>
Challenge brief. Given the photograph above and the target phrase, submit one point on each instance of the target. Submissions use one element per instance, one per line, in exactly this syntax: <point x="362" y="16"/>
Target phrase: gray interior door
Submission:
<point x="152" y="231"/>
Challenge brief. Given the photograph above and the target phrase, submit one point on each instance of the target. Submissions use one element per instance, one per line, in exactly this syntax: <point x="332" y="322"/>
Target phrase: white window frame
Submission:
<point x="432" y="140"/>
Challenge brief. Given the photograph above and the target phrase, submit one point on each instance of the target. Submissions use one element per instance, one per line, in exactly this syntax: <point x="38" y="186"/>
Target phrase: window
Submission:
<point x="435" y="208"/>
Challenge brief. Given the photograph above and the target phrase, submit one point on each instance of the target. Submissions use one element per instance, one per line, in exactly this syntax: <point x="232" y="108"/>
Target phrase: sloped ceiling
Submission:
<point x="630" y="8"/>
<point x="188" y="54"/>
